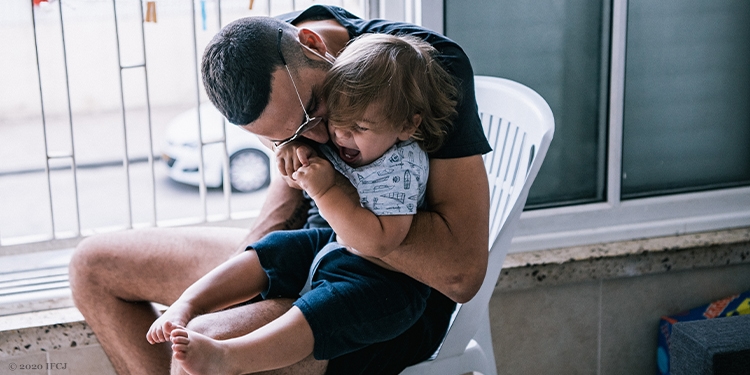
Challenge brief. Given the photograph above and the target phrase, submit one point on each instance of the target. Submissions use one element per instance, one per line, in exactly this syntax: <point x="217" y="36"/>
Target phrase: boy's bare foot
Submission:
<point x="198" y="354"/>
<point x="179" y="314"/>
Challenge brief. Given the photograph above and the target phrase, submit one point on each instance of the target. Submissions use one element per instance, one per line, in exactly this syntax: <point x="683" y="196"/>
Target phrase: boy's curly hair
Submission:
<point x="400" y="74"/>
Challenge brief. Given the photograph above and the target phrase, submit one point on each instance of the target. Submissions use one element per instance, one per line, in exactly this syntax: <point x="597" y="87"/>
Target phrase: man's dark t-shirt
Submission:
<point x="466" y="136"/>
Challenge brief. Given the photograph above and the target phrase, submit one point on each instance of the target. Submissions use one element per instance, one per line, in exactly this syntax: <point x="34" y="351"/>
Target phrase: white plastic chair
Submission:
<point x="519" y="125"/>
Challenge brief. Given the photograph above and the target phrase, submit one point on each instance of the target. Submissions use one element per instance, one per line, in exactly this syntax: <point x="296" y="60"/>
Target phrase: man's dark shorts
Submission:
<point x="415" y="345"/>
<point x="353" y="303"/>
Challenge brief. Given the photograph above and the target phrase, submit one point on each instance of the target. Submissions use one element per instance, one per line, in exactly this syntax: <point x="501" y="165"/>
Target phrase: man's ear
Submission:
<point x="312" y="40"/>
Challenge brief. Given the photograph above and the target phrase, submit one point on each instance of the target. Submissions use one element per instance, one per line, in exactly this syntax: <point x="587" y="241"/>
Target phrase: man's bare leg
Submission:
<point x="241" y="320"/>
<point x="112" y="276"/>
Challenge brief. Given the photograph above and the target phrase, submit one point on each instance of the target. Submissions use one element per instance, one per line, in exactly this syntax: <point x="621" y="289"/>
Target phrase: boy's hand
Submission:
<point x="316" y="176"/>
<point x="293" y="156"/>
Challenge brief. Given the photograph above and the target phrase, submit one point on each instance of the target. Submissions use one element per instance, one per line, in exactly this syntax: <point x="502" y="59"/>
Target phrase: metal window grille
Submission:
<point x="68" y="165"/>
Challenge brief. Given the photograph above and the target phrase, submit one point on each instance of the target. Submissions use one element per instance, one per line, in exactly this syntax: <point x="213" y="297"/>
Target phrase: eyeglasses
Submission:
<point x="310" y="122"/>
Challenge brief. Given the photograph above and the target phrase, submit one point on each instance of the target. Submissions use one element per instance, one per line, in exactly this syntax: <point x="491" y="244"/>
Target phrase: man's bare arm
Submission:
<point x="284" y="208"/>
<point x="447" y="246"/>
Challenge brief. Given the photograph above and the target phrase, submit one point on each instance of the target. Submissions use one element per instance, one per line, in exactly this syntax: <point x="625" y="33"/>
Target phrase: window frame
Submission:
<point x="616" y="219"/>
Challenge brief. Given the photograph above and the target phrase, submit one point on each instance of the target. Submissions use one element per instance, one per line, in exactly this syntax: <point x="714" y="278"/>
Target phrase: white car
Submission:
<point x="249" y="160"/>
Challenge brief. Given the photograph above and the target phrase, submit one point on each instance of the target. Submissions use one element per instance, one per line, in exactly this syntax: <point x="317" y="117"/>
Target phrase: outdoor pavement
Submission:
<point x="105" y="200"/>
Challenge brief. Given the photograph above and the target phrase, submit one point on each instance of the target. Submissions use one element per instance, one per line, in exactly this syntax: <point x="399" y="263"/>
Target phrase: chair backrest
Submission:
<point x="519" y="125"/>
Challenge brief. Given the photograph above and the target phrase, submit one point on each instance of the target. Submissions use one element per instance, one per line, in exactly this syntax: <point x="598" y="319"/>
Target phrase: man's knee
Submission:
<point x="239" y="320"/>
<point x="218" y="326"/>
<point x="205" y="325"/>
<point x="87" y="260"/>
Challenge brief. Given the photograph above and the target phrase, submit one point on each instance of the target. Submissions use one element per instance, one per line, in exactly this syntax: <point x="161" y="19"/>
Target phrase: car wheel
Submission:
<point x="249" y="170"/>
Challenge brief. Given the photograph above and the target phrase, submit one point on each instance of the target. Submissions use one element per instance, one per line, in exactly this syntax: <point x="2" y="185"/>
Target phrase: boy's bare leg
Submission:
<point x="112" y="275"/>
<point x="227" y="324"/>
<point x="283" y="342"/>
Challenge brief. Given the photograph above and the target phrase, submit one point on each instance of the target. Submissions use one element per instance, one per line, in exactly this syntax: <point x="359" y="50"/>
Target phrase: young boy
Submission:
<point x="388" y="103"/>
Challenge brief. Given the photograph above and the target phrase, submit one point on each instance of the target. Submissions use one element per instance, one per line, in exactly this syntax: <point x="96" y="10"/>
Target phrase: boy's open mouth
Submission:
<point x="348" y="155"/>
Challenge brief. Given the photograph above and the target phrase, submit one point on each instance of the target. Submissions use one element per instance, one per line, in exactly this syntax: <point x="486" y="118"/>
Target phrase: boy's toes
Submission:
<point x="155" y="336"/>
<point x="180" y="340"/>
<point x="169" y="326"/>
<point x="178" y="354"/>
<point x="178" y="333"/>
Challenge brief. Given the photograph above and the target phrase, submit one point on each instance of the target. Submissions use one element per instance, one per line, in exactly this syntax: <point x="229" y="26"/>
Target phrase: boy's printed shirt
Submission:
<point x="394" y="184"/>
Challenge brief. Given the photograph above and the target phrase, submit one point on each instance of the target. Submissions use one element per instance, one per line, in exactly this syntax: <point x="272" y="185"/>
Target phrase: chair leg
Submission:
<point x="483" y="337"/>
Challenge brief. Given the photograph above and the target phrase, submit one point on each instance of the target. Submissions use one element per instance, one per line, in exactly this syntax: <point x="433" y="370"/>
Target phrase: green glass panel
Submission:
<point x="559" y="48"/>
<point x="687" y="96"/>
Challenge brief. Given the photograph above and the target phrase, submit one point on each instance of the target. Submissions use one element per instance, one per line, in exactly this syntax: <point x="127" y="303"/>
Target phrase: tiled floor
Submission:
<point x="89" y="360"/>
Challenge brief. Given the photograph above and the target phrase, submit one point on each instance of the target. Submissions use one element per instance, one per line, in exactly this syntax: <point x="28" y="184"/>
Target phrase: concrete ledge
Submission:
<point x="44" y="331"/>
<point x="625" y="259"/>
<point x="51" y="342"/>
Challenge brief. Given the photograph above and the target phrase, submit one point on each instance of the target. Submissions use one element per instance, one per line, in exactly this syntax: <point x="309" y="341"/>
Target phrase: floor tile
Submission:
<point x="85" y="360"/>
<point x="33" y="364"/>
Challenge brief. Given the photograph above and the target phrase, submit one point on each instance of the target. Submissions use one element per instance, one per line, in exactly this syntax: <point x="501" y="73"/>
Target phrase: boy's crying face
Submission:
<point x="367" y="138"/>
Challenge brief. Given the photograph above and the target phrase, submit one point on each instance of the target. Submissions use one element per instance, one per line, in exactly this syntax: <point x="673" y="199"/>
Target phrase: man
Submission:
<point x="114" y="277"/>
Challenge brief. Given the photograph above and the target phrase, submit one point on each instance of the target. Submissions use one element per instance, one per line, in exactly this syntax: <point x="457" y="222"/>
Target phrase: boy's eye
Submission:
<point x="359" y="128"/>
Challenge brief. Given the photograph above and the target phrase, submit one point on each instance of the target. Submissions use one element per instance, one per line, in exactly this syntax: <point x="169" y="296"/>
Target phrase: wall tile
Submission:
<point x="86" y="360"/>
<point x="551" y="330"/>
<point x="632" y="307"/>
<point x="32" y="364"/>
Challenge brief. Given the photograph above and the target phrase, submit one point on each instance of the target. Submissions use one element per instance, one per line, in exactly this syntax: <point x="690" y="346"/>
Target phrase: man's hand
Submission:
<point x="292" y="156"/>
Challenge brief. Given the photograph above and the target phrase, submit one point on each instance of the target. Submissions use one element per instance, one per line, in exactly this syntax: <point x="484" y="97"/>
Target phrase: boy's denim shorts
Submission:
<point x="353" y="303"/>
